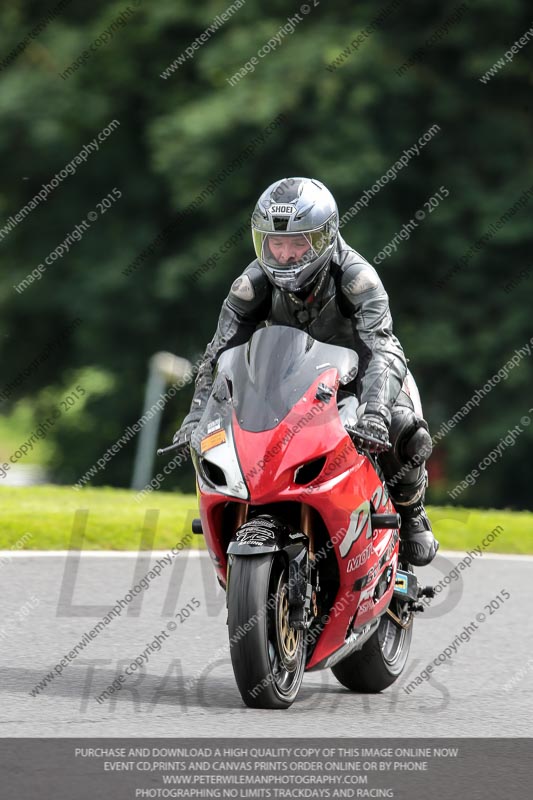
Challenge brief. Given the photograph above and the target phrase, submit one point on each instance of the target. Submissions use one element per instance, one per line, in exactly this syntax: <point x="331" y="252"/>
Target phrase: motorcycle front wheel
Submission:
<point x="267" y="654"/>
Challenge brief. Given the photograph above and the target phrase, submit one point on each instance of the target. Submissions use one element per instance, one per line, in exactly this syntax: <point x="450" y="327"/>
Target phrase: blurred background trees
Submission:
<point x="345" y="125"/>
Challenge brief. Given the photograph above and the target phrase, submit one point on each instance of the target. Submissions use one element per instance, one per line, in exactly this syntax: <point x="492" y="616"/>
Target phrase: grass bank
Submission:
<point x="41" y="518"/>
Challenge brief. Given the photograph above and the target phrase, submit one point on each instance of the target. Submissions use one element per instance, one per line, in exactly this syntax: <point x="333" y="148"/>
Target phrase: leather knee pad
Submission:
<point x="417" y="448"/>
<point x="409" y="435"/>
<point x="404" y="465"/>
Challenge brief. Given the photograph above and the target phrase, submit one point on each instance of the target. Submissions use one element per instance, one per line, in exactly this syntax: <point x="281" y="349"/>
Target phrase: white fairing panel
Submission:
<point x="224" y="456"/>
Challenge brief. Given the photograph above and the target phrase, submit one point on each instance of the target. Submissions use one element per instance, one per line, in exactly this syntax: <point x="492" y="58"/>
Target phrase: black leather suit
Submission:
<point x="348" y="306"/>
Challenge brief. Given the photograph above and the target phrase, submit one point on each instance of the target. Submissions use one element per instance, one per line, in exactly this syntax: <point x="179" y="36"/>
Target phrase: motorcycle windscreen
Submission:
<point x="271" y="372"/>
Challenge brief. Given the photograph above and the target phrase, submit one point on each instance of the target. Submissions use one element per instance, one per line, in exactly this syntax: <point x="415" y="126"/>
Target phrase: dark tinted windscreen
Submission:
<point x="274" y="369"/>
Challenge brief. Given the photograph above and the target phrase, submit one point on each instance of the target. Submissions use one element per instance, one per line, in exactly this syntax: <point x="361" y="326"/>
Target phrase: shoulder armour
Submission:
<point x="250" y="290"/>
<point x="358" y="279"/>
<point x="357" y="276"/>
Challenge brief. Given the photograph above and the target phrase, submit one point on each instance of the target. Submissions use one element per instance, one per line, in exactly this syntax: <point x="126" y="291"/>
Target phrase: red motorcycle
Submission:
<point x="298" y="523"/>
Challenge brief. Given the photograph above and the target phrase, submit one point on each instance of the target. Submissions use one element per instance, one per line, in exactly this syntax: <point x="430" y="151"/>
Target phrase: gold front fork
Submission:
<point x="306" y="522"/>
<point x="241" y="515"/>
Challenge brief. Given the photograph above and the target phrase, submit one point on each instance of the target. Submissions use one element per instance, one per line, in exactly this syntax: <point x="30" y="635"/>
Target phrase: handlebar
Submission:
<point x="176" y="446"/>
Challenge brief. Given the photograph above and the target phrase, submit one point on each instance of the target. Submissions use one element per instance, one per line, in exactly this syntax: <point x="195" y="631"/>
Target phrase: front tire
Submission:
<point x="268" y="656"/>
<point x="381" y="659"/>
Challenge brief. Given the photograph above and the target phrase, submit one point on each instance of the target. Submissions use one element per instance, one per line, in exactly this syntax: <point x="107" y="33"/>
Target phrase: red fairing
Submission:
<point x="340" y="495"/>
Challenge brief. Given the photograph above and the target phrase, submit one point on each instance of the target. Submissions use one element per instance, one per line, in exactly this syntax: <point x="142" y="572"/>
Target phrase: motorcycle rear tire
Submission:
<point x="380" y="661"/>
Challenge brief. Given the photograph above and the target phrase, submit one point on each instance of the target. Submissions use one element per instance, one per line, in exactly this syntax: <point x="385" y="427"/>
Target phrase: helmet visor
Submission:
<point x="291" y="249"/>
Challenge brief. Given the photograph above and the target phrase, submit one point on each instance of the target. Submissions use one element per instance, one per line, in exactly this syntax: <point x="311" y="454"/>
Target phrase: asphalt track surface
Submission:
<point x="188" y="689"/>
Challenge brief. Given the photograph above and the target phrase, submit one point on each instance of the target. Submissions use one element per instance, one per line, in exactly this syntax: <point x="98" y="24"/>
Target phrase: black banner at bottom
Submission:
<point x="127" y="769"/>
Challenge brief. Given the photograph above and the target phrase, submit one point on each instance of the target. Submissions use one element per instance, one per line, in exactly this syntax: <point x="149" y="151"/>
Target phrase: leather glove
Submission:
<point x="183" y="435"/>
<point x="371" y="432"/>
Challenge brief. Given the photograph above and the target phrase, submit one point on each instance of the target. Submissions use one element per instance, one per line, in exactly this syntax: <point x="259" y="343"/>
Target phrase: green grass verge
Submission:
<point x="466" y="528"/>
<point x="114" y="522"/>
<point x="41" y="518"/>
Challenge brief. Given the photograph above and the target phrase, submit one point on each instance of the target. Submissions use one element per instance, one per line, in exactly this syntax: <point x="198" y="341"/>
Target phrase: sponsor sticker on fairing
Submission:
<point x="212" y="440"/>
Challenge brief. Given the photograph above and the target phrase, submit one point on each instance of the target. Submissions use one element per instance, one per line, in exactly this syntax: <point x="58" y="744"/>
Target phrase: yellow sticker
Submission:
<point x="400" y="584"/>
<point x="218" y="437"/>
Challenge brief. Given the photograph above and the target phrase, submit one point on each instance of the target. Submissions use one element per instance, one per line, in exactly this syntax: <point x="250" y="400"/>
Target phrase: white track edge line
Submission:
<point x="195" y="553"/>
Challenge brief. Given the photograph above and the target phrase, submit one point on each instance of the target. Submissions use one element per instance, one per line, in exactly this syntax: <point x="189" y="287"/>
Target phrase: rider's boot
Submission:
<point x="418" y="546"/>
<point x="406" y="478"/>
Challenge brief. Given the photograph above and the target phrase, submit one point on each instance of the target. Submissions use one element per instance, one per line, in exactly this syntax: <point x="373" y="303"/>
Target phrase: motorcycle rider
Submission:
<point x="306" y="276"/>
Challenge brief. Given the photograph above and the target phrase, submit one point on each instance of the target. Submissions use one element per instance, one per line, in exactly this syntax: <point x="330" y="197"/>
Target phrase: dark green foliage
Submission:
<point x="346" y="125"/>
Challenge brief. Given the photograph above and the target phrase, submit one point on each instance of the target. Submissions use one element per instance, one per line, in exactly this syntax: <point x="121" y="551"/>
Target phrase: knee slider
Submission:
<point x="418" y="445"/>
<point x="410" y="436"/>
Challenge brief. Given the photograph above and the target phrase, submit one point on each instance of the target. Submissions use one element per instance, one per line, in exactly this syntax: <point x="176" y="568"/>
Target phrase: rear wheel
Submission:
<point x="267" y="654"/>
<point x="382" y="658"/>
